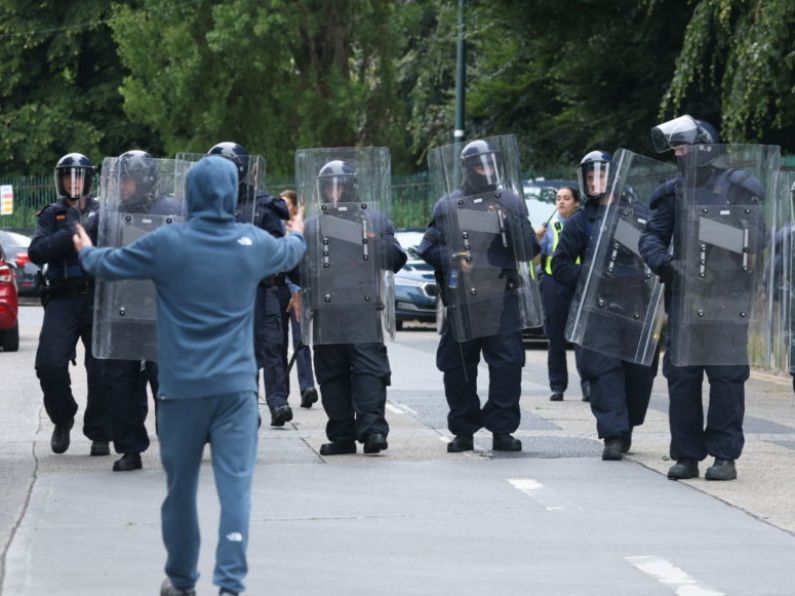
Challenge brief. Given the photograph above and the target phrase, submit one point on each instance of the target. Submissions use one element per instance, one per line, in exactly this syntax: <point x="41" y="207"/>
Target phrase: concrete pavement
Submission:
<point x="554" y="519"/>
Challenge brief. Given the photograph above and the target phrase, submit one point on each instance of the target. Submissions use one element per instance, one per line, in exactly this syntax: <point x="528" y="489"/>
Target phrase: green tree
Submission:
<point x="60" y="76"/>
<point x="273" y="75"/>
<point x="738" y="62"/>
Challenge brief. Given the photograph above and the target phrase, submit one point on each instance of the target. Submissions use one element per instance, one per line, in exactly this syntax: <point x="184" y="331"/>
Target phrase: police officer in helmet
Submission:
<point x="269" y="213"/>
<point x="488" y="258"/>
<point x="619" y="390"/>
<point x="722" y="437"/>
<point x="68" y="297"/>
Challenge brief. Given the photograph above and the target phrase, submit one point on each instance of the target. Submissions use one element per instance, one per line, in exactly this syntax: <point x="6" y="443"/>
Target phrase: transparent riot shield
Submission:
<point x="616" y="309"/>
<point x="784" y="269"/>
<point x="346" y="275"/>
<point x="725" y="254"/>
<point x="486" y="238"/>
<point x="252" y="184"/>
<point x="137" y="197"/>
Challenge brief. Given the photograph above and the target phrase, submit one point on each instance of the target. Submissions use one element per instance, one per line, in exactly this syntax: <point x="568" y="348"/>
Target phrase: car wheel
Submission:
<point x="11" y="339"/>
<point x="399" y="325"/>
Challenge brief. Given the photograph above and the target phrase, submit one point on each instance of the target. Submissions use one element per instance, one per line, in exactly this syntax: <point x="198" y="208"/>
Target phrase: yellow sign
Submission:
<point x="6" y="199"/>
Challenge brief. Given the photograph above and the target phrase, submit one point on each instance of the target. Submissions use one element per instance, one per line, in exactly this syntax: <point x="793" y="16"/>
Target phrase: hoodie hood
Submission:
<point x="211" y="189"/>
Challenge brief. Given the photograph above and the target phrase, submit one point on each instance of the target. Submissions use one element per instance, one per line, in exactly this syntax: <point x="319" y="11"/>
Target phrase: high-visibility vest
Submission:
<point x="557" y="228"/>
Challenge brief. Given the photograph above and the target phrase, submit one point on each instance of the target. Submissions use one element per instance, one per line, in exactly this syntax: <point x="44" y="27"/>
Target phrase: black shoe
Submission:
<point x="722" y="469"/>
<point x="556" y="397"/>
<point x="338" y="448"/>
<point x="626" y="441"/>
<point x="683" y="469"/>
<point x="227" y="593"/>
<point x="280" y="415"/>
<point x="100" y="448"/>
<point x="59" y="442"/>
<point x="505" y="442"/>
<point x="375" y="443"/>
<point x="308" y="397"/>
<point x="168" y="589"/>
<point x="128" y="462"/>
<point x="461" y="443"/>
<point x="586" y="390"/>
<point x="612" y="450"/>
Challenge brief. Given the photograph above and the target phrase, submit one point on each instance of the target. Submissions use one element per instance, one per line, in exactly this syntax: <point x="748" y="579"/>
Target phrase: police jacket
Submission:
<point x="575" y="238"/>
<point x="52" y="242"/>
<point x="270" y="213"/>
<point x="518" y="244"/>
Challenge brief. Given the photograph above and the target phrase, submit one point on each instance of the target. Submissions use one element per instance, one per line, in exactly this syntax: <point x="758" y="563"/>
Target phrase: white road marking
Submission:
<point x="538" y="492"/>
<point x="669" y="574"/>
<point x="394" y="409"/>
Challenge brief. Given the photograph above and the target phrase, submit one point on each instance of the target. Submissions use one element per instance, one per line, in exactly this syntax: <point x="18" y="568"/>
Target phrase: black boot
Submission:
<point x="338" y="448"/>
<point x="308" y="397"/>
<point x="505" y="442"/>
<point x="280" y="415"/>
<point x="168" y="589"/>
<point x="683" y="469"/>
<point x="128" y="462"/>
<point x="375" y="443"/>
<point x="557" y="396"/>
<point x="722" y="469"/>
<point x="612" y="450"/>
<point x="461" y="443"/>
<point x="59" y="442"/>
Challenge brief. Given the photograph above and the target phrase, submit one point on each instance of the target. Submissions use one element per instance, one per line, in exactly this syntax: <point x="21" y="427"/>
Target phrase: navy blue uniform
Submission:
<point x="68" y="317"/>
<point x="723" y="435"/>
<point x="503" y="352"/>
<point x="353" y="377"/>
<point x="620" y="390"/>
<point x="269" y="347"/>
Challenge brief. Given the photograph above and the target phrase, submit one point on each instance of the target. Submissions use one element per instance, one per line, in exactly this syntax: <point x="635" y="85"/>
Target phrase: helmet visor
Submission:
<point x="671" y="134"/>
<point x="73" y="182"/>
<point x="592" y="177"/>
<point x="485" y="166"/>
<point x="334" y="189"/>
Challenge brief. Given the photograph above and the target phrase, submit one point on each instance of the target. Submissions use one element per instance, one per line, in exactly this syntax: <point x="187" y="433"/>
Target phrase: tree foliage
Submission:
<point x="60" y="75"/>
<point x="740" y="55"/>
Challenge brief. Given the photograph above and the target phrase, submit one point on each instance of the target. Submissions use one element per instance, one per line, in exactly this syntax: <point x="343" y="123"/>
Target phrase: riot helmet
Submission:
<point x="480" y="163"/>
<point x="237" y="153"/>
<point x="337" y="182"/>
<point x="74" y="174"/>
<point x="138" y="177"/>
<point x="685" y="134"/>
<point x="592" y="174"/>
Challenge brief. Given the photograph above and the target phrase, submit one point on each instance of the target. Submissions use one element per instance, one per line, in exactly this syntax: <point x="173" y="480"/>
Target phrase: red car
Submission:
<point x="9" y="307"/>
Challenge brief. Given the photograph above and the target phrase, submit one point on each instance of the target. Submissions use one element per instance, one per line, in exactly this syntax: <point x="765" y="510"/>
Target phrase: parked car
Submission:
<point x="415" y="284"/>
<point x="9" y="306"/>
<point x="28" y="273"/>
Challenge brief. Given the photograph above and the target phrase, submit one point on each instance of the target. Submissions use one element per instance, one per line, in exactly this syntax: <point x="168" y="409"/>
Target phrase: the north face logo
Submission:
<point x="244" y="241"/>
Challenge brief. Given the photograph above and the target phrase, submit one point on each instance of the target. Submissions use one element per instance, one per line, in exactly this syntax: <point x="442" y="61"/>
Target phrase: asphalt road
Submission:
<point x="553" y="520"/>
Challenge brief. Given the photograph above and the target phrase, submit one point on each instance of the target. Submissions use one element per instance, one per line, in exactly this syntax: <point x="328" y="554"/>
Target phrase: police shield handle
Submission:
<point x="81" y="239"/>
<point x="296" y="223"/>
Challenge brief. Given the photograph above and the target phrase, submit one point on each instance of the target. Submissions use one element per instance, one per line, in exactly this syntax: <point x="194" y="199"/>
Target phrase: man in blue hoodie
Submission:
<point x="206" y="356"/>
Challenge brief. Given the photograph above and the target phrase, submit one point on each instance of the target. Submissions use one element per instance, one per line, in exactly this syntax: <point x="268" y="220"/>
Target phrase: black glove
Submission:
<point x="668" y="272"/>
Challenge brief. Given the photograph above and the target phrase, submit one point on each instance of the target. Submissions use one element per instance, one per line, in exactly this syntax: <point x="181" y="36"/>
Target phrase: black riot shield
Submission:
<point x="485" y="238"/>
<point x="724" y="255"/>
<point x="347" y="281"/>
<point x="138" y="194"/>
<point x="616" y="309"/>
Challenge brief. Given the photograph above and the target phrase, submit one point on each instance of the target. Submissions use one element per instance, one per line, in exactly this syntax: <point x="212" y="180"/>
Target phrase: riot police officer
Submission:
<point x="127" y="380"/>
<point x="269" y="213"/>
<point x="68" y="297"/>
<point x="353" y="376"/>
<point x="620" y="390"/>
<point x="489" y="260"/>
<point x="695" y="144"/>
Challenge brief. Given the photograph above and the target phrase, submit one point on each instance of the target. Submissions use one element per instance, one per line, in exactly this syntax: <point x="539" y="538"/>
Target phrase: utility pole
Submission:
<point x="460" y="77"/>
